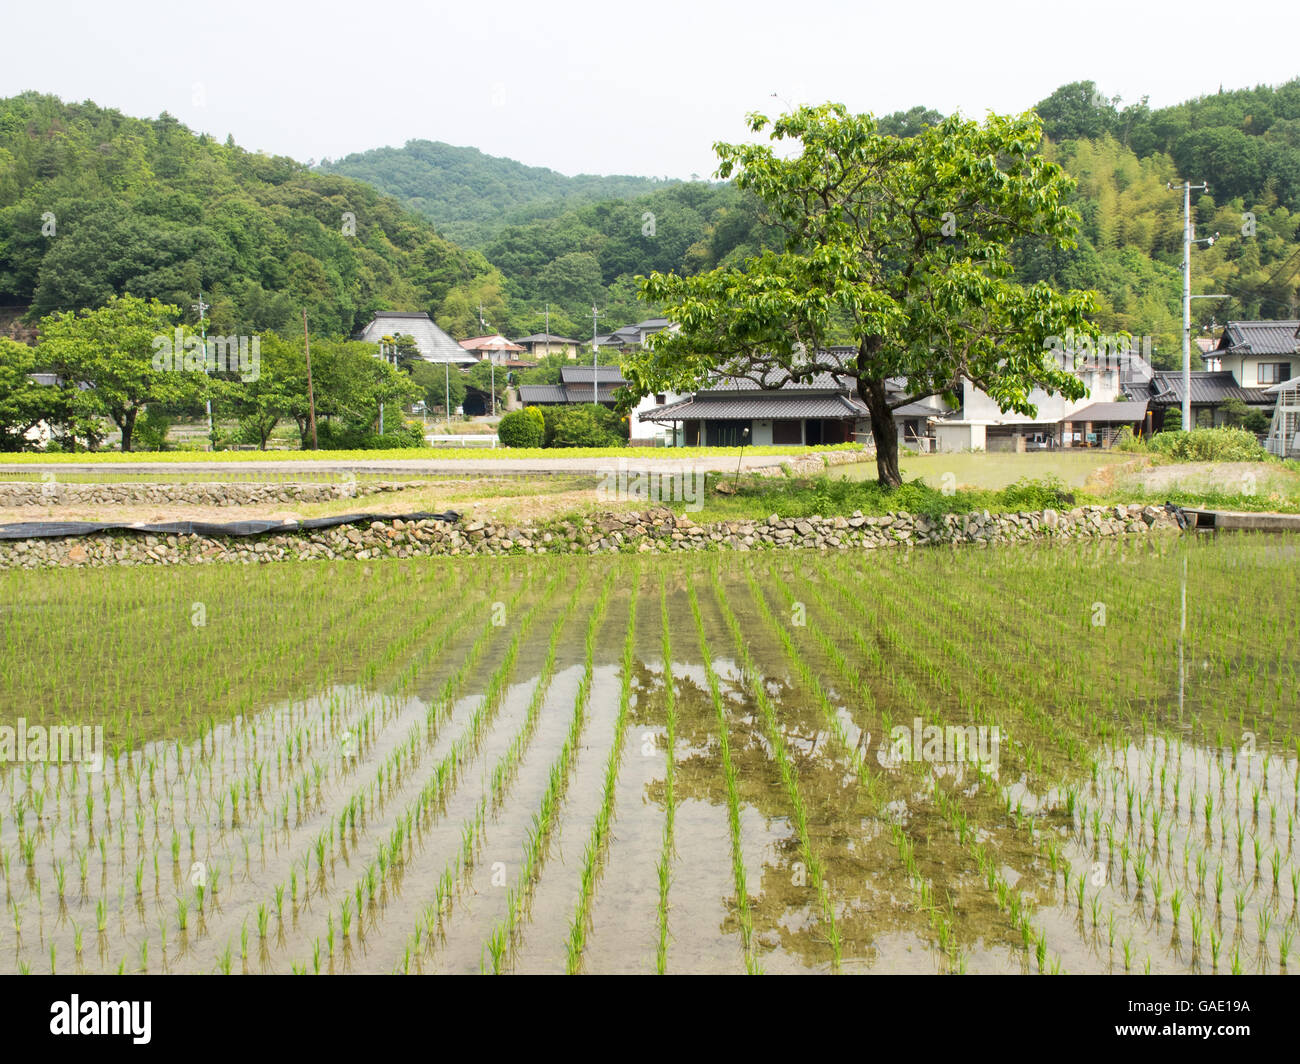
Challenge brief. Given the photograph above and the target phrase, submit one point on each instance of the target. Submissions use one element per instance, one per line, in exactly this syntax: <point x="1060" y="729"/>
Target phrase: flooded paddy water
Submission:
<point x="1078" y="758"/>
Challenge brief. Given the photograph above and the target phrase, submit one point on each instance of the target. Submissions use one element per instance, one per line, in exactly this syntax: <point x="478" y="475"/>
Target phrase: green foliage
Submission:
<point x="1049" y="493"/>
<point x="1209" y="445"/>
<point x="151" y="430"/>
<point x="114" y="349"/>
<point x="150" y="208"/>
<point x="24" y="404"/>
<point x="588" y="426"/>
<point x="521" y="428"/>
<point x="433" y="380"/>
<point x="468" y="195"/>
<point x="337" y="436"/>
<point x="1129" y="443"/>
<point x="897" y="248"/>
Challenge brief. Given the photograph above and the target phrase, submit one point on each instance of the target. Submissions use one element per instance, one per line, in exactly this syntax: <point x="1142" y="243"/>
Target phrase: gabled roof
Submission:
<point x="546" y="338"/>
<point x="585" y="374"/>
<point x="1260" y="337"/>
<point x="1126" y="412"/>
<point x="544" y="394"/>
<point x="433" y="344"/>
<point x="779" y="405"/>
<point x="1208" y="387"/>
<point x="495" y="342"/>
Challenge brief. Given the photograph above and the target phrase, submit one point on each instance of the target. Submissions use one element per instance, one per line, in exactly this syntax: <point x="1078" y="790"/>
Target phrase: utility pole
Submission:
<point x="492" y="366"/>
<point x="1187" y="187"/>
<point x="548" y="330"/>
<point x="311" y="396"/>
<point x="201" y="307"/>
<point x="595" y="384"/>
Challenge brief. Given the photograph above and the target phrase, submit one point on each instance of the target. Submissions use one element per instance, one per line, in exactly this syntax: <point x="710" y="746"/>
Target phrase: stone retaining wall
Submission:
<point x="215" y="493"/>
<point x="656" y="531"/>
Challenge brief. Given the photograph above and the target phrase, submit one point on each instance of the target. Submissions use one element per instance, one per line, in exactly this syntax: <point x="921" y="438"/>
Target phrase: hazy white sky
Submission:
<point x="639" y="88"/>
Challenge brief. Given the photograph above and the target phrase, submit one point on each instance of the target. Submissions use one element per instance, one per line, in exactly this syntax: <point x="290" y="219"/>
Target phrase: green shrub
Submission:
<point x="1050" y="493"/>
<point x="1126" y="441"/>
<point x="588" y="426"/>
<point x="150" y="433"/>
<point x="1257" y="422"/>
<point x="1209" y="445"/>
<point x="332" y="436"/>
<point x="522" y="428"/>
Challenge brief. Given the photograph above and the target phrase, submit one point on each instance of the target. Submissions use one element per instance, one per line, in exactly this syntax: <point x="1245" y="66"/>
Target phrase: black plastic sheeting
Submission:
<point x="56" y="529"/>
<point x="1184" y="522"/>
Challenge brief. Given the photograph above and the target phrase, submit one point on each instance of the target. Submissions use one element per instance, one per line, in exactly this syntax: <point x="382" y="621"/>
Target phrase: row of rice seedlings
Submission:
<point x="940" y="918"/>
<point x="743" y="914"/>
<point x="1155" y="826"/>
<point x="254" y="771"/>
<point x="246" y="655"/>
<point x="504" y="938"/>
<point x="593" y="856"/>
<point x="663" y="869"/>
<point x="944" y="646"/>
<point x="965" y="667"/>
<point x="383" y="871"/>
<point x="1010" y="900"/>
<point x="1150" y="814"/>
<point x="431" y="921"/>
<point x="360" y="806"/>
<point x="789" y="774"/>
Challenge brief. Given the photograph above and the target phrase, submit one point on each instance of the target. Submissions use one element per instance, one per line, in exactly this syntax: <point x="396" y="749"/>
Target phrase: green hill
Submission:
<point x="471" y="196"/>
<point x="93" y="202"/>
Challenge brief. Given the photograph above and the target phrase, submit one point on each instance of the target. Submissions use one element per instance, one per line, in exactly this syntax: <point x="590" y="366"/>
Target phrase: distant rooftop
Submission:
<point x="1260" y="337"/>
<point x="433" y="344"/>
<point x="546" y="338"/>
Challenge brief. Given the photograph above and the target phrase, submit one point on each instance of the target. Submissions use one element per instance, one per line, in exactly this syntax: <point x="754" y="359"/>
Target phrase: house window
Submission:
<point x="1273" y="372"/>
<point x="727" y="433"/>
<point x="661" y="398"/>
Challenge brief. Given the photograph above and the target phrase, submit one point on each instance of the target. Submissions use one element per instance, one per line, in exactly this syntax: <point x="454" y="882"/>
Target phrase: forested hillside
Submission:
<point x="471" y="196"/>
<point x="93" y="203"/>
<point x="1246" y="144"/>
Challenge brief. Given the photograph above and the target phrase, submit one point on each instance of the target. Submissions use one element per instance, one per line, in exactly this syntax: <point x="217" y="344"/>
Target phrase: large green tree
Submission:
<point x="113" y="348"/>
<point x="898" y="248"/>
<point x="24" y="404"/>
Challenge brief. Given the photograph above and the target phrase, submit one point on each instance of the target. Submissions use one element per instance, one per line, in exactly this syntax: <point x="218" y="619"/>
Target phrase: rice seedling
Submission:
<point x="249" y="772"/>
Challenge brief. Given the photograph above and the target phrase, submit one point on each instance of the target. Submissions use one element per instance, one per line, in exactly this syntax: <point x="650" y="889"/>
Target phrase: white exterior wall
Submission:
<point x="1103" y="387"/>
<point x="1245" y="368"/>
<point x="762" y="434"/>
<point x="647" y="431"/>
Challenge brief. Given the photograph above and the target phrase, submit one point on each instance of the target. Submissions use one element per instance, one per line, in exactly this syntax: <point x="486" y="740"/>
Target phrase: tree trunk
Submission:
<point x="883" y="430"/>
<point x="127" y="425"/>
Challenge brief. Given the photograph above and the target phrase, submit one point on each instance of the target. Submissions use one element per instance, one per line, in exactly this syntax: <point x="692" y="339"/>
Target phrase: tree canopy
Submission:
<point x="899" y="248"/>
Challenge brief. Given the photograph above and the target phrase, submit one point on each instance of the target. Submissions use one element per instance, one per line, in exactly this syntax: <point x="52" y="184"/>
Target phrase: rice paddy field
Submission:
<point x="661" y="765"/>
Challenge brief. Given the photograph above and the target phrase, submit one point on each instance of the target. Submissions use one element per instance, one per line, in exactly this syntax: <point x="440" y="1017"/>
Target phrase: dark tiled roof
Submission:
<point x="543" y="394"/>
<point x="1208" y="386"/>
<point x="917" y="410"/>
<point x="759" y="405"/>
<point x="544" y="338"/>
<point x="583" y="374"/>
<point x="1260" y="337"/>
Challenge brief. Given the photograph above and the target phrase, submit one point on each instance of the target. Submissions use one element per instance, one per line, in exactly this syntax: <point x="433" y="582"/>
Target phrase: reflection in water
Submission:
<point x="361" y="830"/>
